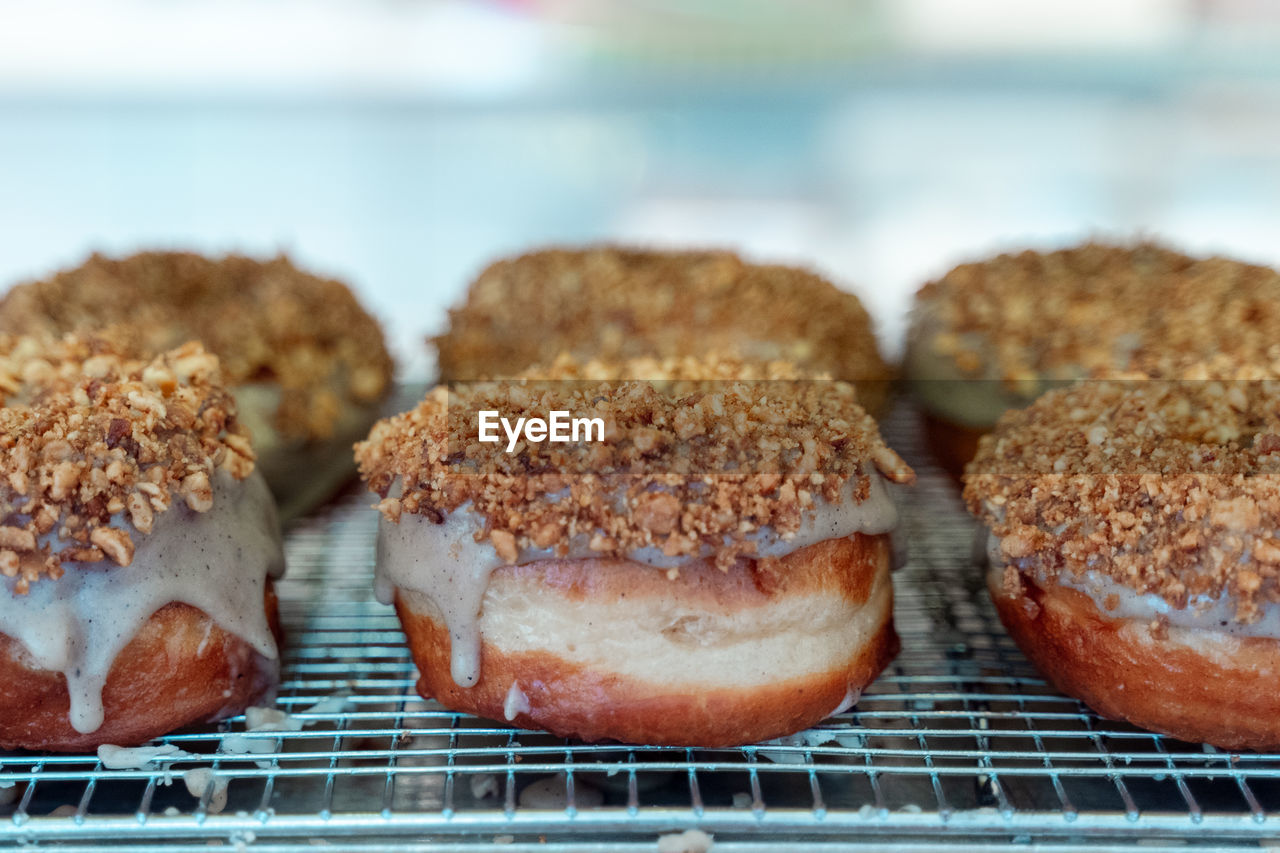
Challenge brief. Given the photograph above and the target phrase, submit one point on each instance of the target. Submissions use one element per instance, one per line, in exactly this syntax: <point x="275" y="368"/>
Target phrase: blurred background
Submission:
<point x="402" y="144"/>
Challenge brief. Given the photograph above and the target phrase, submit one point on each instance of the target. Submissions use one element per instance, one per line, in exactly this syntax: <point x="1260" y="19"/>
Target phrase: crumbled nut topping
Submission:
<point x="1168" y="487"/>
<point x="267" y="322"/>
<point x="1097" y="309"/>
<point x="88" y="433"/>
<point x="616" y="304"/>
<point x="697" y="454"/>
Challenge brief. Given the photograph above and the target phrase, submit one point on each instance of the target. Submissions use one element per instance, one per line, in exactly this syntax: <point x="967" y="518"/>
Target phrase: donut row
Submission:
<point x="649" y="501"/>
<point x="159" y="412"/>
<point x="1114" y="413"/>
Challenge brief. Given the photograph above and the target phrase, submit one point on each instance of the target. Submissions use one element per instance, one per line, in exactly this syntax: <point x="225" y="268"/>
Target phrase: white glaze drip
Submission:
<point x="217" y="561"/>
<point x="1202" y="613"/>
<point x="516" y="702"/>
<point x="137" y="758"/>
<point x="851" y="697"/>
<point x="444" y="563"/>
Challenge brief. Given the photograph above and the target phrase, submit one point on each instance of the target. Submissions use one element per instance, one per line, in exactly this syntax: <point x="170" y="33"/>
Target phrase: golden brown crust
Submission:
<point x="570" y="699"/>
<point x="1113" y="308"/>
<point x="697" y="465"/>
<point x="1158" y="680"/>
<point x="575" y="702"/>
<point x="180" y="669"/>
<point x="1165" y="487"/>
<point x="842" y="567"/>
<point x="616" y="304"/>
<point x="267" y="321"/>
<point x="88" y="434"/>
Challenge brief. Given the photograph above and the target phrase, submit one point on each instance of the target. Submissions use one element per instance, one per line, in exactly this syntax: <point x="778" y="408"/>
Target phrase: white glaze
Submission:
<point x="217" y="561"/>
<point x="138" y="757"/>
<point x="261" y="719"/>
<point x="201" y="779"/>
<point x="444" y="562"/>
<point x="516" y="702"/>
<point x="1120" y="602"/>
<point x="551" y="792"/>
<point x="689" y="841"/>
<point x="484" y="785"/>
<point x="851" y="697"/>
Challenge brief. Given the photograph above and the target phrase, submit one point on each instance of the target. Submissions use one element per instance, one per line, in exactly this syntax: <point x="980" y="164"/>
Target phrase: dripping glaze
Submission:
<point x="445" y="564"/>
<point x="1203" y="612"/>
<point x="217" y="561"/>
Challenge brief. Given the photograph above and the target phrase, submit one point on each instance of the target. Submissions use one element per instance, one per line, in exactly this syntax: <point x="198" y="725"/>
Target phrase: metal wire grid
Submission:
<point x="958" y="743"/>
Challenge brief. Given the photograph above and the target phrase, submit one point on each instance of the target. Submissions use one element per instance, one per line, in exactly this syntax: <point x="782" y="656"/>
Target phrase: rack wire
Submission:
<point x="958" y="744"/>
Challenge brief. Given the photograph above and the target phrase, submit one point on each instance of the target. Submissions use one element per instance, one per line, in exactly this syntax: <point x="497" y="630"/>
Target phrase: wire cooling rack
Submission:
<point x="958" y="745"/>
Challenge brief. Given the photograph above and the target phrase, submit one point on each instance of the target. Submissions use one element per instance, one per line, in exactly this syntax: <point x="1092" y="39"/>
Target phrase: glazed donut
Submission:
<point x="137" y="547"/>
<point x="614" y="304"/>
<point x="1135" y="550"/>
<point x="714" y="571"/>
<point x="307" y="365"/>
<point x="992" y="336"/>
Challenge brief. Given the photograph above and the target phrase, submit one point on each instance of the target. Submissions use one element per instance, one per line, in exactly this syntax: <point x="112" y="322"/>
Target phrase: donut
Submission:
<point x="137" y="547"/>
<point x="308" y="366"/>
<point x="613" y="304"/>
<point x="992" y="336"/>
<point x="712" y="569"/>
<point x="1134" y="541"/>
